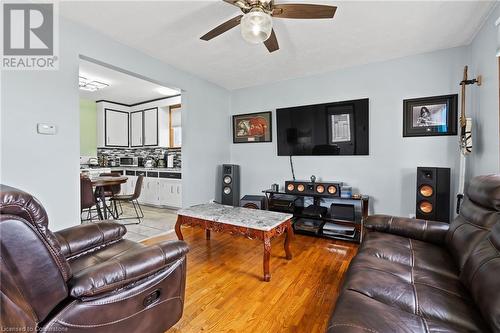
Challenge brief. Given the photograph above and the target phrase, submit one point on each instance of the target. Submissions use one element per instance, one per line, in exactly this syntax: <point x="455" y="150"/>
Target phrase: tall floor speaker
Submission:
<point x="230" y="185"/>
<point x="433" y="194"/>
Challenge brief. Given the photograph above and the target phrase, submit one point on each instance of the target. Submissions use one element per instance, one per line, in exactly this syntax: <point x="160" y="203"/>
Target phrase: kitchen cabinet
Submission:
<point x="150" y="120"/>
<point x="170" y="192"/>
<point x="129" y="186"/>
<point x="116" y="128"/>
<point x="150" y="194"/>
<point x="144" y="128"/>
<point x="123" y="126"/>
<point x="136" y="129"/>
<point x="157" y="191"/>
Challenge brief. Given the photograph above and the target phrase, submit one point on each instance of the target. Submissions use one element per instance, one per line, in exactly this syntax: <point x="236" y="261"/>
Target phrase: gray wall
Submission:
<point x="485" y="156"/>
<point x="388" y="173"/>
<point x="47" y="166"/>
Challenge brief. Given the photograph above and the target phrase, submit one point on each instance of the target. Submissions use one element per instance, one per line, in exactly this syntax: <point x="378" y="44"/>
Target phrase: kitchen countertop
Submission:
<point x="134" y="168"/>
<point x="146" y="169"/>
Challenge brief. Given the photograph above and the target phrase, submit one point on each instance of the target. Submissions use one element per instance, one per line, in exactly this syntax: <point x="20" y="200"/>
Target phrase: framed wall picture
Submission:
<point x="252" y="127"/>
<point x="430" y="116"/>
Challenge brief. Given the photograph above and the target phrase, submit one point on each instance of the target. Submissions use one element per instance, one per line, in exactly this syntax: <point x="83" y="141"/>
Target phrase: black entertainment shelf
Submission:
<point x="342" y="219"/>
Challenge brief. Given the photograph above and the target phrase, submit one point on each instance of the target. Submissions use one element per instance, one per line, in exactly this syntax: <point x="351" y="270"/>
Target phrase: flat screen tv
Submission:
<point x="339" y="128"/>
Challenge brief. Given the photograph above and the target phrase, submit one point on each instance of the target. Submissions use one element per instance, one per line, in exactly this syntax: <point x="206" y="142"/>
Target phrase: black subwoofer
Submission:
<point x="230" y="185"/>
<point x="253" y="201"/>
<point x="433" y="194"/>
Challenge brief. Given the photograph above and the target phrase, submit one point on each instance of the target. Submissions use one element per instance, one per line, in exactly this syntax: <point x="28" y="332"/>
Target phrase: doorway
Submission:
<point x="131" y="129"/>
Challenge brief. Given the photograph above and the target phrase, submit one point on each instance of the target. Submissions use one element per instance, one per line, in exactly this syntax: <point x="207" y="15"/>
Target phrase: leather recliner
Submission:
<point x="422" y="276"/>
<point x="85" y="278"/>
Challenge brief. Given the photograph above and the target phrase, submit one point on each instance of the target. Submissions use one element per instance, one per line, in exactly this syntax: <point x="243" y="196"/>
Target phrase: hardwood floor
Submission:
<point x="225" y="291"/>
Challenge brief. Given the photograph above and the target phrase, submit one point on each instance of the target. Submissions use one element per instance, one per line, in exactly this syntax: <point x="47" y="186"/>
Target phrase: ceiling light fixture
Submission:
<point x="256" y="26"/>
<point x="90" y="85"/>
<point x="167" y="91"/>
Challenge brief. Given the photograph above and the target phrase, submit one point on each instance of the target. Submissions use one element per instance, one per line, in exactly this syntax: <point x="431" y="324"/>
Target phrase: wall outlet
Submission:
<point x="46" y="129"/>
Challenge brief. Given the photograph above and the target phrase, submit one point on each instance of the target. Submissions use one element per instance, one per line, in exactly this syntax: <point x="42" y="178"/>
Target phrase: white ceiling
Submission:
<point x="123" y="88"/>
<point x="361" y="32"/>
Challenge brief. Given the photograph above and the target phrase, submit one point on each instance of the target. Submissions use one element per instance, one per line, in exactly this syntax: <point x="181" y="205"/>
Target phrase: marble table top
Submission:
<point x="264" y="220"/>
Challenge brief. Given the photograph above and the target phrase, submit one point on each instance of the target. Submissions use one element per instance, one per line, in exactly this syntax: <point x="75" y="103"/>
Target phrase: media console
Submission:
<point x="322" y="215"/>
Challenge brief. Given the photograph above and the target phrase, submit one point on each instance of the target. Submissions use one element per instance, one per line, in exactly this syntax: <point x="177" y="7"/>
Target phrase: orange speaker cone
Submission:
<point x="250" y="205"/>
<point x="425" y="206"/>
<point x="300" y="188"/>
<point x="320" y="189"/>
<point x="332" y="189"/>
<point x="290" y="187"/>
<point x="426" y="191"/>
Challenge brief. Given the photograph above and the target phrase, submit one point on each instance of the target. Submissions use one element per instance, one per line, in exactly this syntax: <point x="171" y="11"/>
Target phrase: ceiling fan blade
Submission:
<point x="238" y="3"/>
<point x="303" y="11"/>
<point x="272" y="43"/>
<point x="228" y="25"/>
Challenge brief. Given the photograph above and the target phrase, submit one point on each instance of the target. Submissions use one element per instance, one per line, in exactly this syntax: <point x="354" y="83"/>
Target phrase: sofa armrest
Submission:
<point x="126" y="268"/>
<point x="427" y="231"/>
<point x="85" y="237"/>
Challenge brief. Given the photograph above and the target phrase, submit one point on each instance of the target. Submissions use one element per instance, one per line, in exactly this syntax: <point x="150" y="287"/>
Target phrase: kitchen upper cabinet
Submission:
<point x="150" y="117"/>
<point x="138" y="126"/>
<point x="136" y="129"/>
<point x="116" y="133"/>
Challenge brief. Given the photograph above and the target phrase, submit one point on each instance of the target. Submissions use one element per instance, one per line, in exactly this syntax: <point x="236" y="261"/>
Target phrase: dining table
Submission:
<point x="100" y="183"/>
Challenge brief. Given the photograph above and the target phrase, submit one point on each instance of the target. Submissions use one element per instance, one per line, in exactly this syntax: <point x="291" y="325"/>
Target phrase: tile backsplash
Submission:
<point x="113" y="154"/>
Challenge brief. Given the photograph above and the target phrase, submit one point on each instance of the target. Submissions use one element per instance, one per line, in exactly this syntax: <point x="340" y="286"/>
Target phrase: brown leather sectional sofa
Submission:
<point x="422" y="276"/>
<point x="83" y="279"/>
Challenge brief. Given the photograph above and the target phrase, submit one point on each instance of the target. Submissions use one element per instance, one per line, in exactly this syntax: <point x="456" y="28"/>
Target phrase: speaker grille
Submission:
<point x="425" y="207"/>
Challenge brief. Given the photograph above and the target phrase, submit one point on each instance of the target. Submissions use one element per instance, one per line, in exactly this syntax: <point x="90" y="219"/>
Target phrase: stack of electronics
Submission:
<point x="284" y="203"/>
<point x="311" y="220"/>
<point x="334" y="230"/>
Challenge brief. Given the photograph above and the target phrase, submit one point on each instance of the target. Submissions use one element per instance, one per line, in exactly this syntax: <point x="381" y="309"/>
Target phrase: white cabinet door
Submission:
<point x="170" y="192"/>
<point x="116" y="128"/>
<point x="151" y="127"/>
<point x="150" y="195"/>
<point x="178" y="195"/>
<point x="164" y="192"/>
<point x="136" y="129"/>
<point x="130" y="184"/>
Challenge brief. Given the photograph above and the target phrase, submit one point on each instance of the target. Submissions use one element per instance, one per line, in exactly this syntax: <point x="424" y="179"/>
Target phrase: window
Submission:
<point x="175" y="128"/>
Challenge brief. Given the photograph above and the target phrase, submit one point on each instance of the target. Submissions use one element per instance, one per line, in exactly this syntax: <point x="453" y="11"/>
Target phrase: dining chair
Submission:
<point x="109" y="192"/>
<point x="133" y="199"/>
<point x="87" y="198"/>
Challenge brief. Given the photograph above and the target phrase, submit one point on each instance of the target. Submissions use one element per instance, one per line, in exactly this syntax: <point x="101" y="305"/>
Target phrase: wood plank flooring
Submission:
<point x="225" y="291"/>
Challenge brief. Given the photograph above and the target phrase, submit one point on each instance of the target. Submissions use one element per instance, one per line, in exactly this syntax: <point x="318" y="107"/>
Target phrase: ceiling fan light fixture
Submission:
<point x="256" y="26"/>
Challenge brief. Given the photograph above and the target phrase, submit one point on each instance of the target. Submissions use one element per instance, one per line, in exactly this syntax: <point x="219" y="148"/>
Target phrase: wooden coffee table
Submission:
<point x="251" y="223"/>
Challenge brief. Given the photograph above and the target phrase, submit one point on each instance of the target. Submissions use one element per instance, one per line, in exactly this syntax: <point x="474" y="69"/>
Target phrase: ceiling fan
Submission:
<point x="256" y="20"/>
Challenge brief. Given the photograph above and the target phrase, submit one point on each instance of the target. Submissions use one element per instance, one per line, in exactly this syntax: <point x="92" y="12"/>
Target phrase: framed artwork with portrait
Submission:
<point x="430" y="116"/>
<point x="252" y="127"/>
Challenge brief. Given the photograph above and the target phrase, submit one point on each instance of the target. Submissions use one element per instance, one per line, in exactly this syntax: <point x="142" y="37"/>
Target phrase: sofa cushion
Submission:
<point x="358" y="313"/>
<point x="103" y="254"/>
<point x="409" y="252"/>
<point x="405" y="275"/>
<point x="481" y="276"/>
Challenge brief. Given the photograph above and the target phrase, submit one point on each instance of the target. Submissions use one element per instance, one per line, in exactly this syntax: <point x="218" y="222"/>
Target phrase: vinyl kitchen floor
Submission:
<point x="156" y="221"/>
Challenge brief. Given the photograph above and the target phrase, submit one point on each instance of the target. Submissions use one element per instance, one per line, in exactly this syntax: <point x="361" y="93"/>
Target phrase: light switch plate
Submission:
<point x="46" y="129"/>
